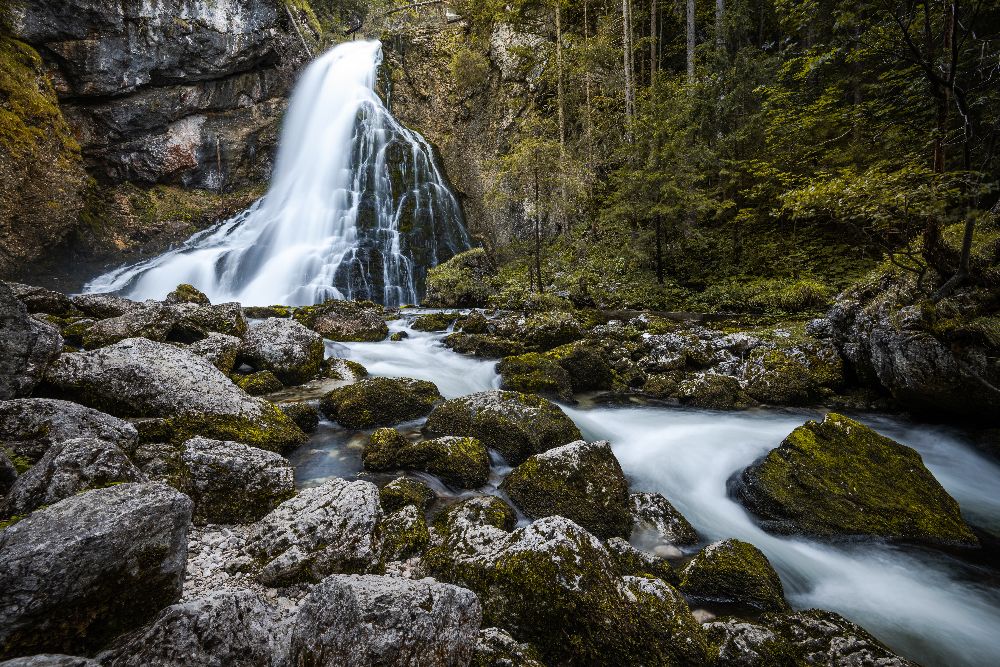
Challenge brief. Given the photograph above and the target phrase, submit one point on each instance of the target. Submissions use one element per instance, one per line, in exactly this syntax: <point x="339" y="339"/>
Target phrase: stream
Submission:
<point x="932" y="606"/>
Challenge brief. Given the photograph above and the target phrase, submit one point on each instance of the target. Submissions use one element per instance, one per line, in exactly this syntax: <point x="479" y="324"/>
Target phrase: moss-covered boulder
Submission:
<point x="585" y="364"/>
<point x="820" y="637"/>
<point x="655" y="521"/>
<point x="380" y="401"/>
<point x="259" y="383"/>
<point x="535" y="373"/>
<point x="540" y="331"/>
<point x="345" y="321"/>
<point x="740" y="643"/>
<point x="220" y="349"/>
<point x="185" y="293"/>
<point x="496" y="648"/>
<point x="434" y="321"/>
<point x="459" y="461"/>
<point x="404" y="534"/>
<point x="399" y="336"/>
<point x="286" y="348"/>
<point x="461" y="282"/>
<point x="713" y="391"/>
<point x="305" y="415"/>
<point x="581" y="481"/>
<point x="734" y="571"/>
<point x="455" y="521"/>
<point x="839" y="477"/>
<point x="404" y="491"/>
<point x="483" y="345"/>
<point x="515" y="424"/>
<point x="635" y="562"/>
<point x="795" y="375"/>
<point x="473" y="323"/>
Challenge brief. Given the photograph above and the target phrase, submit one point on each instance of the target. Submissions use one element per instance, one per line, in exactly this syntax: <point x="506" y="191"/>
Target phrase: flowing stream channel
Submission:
<point x="934" y="607"/>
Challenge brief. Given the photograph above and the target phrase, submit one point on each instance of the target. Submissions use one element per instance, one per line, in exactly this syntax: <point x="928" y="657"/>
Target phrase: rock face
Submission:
<point x="839" y="477"/>
<point x="581" y="481"/>
<point x="28" y="345"/>
<point x="516" y="425"/>
<point x="461" y="462"/>
<point x="404" y="534"/>
<point x="68" y="468"/>
<point x="29" y="426"/>
<point x="90" y="567"/>
<point x="369" y="620"/>
<point x="232" y="483"/>
<point x="379" y="401"/>
<point x="141" y="378"/>
<point x="284" y="347"/>
<point x="218" y="349"/>
<point x="219" y="628"/>
<point x="324" y="530"/>
<point x="50" y="660"/>
<point x="8" y="474"/>
<point x="734" y="571"/>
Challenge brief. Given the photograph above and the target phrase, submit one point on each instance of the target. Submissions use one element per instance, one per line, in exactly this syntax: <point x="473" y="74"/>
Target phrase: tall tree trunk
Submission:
<point x="690" y="40"/>
<point x="720" y="28"/>
<point x="586" y="85"/>
<point x="653" y="59"/>
<point x="538" y="236"/>
<point x="563" y="216"/>
<point x="659" y="248"/>
<point x="627" y="63"/>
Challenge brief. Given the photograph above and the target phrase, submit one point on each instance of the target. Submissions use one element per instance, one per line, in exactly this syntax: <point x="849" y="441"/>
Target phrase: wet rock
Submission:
<point x="29" y="426"/>
<point x="483" y="345"/>
<point x="142" y="378"/>
<point x="839" y="477"/>
<point x="713" y="391"/>
<point x="540" y="331"/>
<point x="185" y="293"/>
<point x="69" y="467"/>
<point x="232" y="483"/>
<point x="516" y="425"/>
<point x="370" y="620"/>
<point x="219" y="628"/>
<point x="581" y="481"/>
<point x="434" y="321"/>
<point x="28" y="345"/>
<point x="286" y="348"/>
<point x="91" y="567"/>
<point x="634" y="562"/>
<point x="586" y="366"/>
<point x="496" y="648"/>
<point x="323" y="530"/>
<point x="379" y="401"/>
<point x="459" y="461"/>
<point x="399" y="336"/>
<point x="468" y="515"/>
<point x="404" y="491"/>
<point x="825" y="638"/>
<point x="305" y="415"/>
<point x="798" y="375"/>
<point x="404" y="534"/>
<point x="535" y="373"/>
<point x="218" y="349"/>
<point x="656" y="521"/>
<point x="8" y="474"/>
<point x="259" y="383"/>
<point x="473" y="323"/>
<point x="41" y="300"/>
<point x="345" y="321"/>
<point x="744" y="644"/>
<point x="734" y="571"/>
<point x="50" y="660"/>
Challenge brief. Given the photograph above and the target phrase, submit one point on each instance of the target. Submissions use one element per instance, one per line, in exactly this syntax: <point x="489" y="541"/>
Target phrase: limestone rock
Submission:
<point x="379" y="401"/>
<point x="41" y="300"/>
<point x="218" y="349"/>
<point x="734" y="571"/>
<point x="404" y="491"/>
<point x="656" y="521"/>
<point x="496" y="648"/>
<point x="286" y="348"/>
<point x="461" y="462"/>
<point x="404" y="534"/>
<point x="28" y="345"/>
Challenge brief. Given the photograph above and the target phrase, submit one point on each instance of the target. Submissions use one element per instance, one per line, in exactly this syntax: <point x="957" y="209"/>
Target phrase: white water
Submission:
<point x="926" y="605"/>
<point x="356" y="207"/>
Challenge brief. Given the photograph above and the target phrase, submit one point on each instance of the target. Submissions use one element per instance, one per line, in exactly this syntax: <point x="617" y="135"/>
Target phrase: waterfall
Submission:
<point x="356" y="209"/>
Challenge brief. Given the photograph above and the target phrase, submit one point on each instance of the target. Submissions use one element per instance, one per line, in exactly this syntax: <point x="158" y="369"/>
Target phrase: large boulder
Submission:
<point x="585" y="364"/>
<point x="152" y="319"/>
<point x="216" y="629"/>
<point x="581" y="481"/>
<point x="461" y="282"/>
<point x="41" y="300"/>
<point x="286" y="348"/>
<point x="404" y="491"/>
<point x="370" y="620"/>
<point x="459" y="461"/>
<point x="839" y="477"/>
<point x="404" y="534"/>
<point x="822" y="637"/>
<point x="516" y="425"/>
<point x="496" y="648"/>
<point x="535" y="373"/>
<point x="29" y="426"/>
<point x="380" y="401"/>
<point x="91" y="567"/>
<point x="221" y="350"/>
<point x="345" y="321"/>
<point x="655" y="522"/>
<point x="328" y="529"/>
<point x="69" y="467"/>
<point x="103" y="306"/>
<point x="734" y="571"/>
<point x="434" y="321"/>
<point x="142" y="378"/>
<point x="28" y="345"/>
<point x="50" y="660"/>
<point x="230" y="482"/>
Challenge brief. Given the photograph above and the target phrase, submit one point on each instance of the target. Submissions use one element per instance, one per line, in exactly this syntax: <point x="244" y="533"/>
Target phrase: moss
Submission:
<point x="185" y="293"/>
<point x="305" y="415"/>
<point x="481" y="511"/>
<point x="473" y="323"/>
<point x="384" y="449"/>
<point x="585" y="364"/>
<point x="399" y="336"/>
<point x="434" y="321"/>
<point x="633" y="562"/>
<point x="404" y="491"/>
<point x="536" y="374"/>
<point x="404" y="534"/>
<point x="490" y="347"/>
<point x="713" y="391"/>
<point x="259" y="383"/>
<point x="734" y="571"/>
<point x="461" y="282"/>
<point x="461" y="462"/>
<point x="356" y="368"/>
<point x="273" y="430"/>
<point x="263" y="312"/>
<point x="380" y="401"/>
<point x="11" y="520"/>
<point x="839" y="477"/>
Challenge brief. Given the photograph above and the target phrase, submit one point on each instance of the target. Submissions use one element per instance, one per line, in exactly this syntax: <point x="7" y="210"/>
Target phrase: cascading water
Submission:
<point x="356" y="209"/>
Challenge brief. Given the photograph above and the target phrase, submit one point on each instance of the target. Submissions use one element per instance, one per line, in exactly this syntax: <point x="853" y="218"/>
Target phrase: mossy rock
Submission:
<point x="586" y="366"/>
<point x="541" y="331"/>
<point x="635" y="562"/>
<point x="404" y="534"/>
<point x="838" y="478"/>
<point x="461" y="282"/>
<point x="185" y="293"/>
<point x="535" y="373"/>
<point x="458" y="461"/>
<point x="473" y="323"/>
<point x="263" y="312"/>
<point x="734" y="571"/>
<point x="345" y="321"/>
<point x="820" y="637"/>
<point x="476" y="512"/>
<point x="399" y="336"/>
<point x="740" y="643"/>
<point x="434" y="321"/>
<point x="380" y="401"/>
<point x="515" y="424"/>
<point x="272" y="429"/>
<point x="404" y="491"/>
<point x="791" y="376"/>
<point x="657" y="522"/>
<point x="259" y="383"/>
<point x="713" y="391"/>
<point x="496" y="648"/>
<point x="305" y="415"/>
<point x="483" y="345"/>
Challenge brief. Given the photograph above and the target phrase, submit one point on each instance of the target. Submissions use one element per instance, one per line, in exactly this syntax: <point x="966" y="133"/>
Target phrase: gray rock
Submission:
<point x="8" y="474"/>
<point x="232" y="483"/>
<point x="404" y="534"/>
<point x="103" y="306"/>
<point x="218" y="349"/>
<point x="635" y="562"/>
<point x="323" y="530"/>
<point x="657" y="522"/>
<point x="41" y="300"/>
<point x="496" y="648"/>
<point x="218" y="629"/>
<point x="69" y="467"/>
<point x="50" y="660"/>
<point x="196" y="322"/>
<point x="825" y="638"/>
<point x="370" y="620"/>
<point x="28" y="345"/>
<point x="142" y="378"/>
<point x="744" y="644"/>
<point x="151" y="319"/>
<point x="286" y="348"/>
<point x="91" y="567"/>
<point x="305" y="415"/>
<point x="29" y="426"/>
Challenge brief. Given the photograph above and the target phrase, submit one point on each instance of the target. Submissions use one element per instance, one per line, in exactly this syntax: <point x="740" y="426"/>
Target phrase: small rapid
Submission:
<point x="931" y="606"/>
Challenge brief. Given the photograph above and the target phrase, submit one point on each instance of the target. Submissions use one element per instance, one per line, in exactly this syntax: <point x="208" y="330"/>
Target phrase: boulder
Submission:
<point x="29" y="426"/>
<point x="28" y="345"/>
<point x="185" y="293"/>
<point x="404" y="534"/>
<point x="323" y="530"/>
<point x="152" y="319"/>
<point x="824" y="638"/>
<point x="91" y="567"/>
<point x="540" y="331"/>
<point x="404" y="491"/>
<point x="535" y="373"/>
<point x="286" y="348"/>
<point x="713" y="391"/>
<point x="103" y="306"/>
<point x="734" y="571"/>
<point x="219" y="628"/>
<point x="496" y="648"/>
<point x="741" y="643"/>
<point x="371" y="620"/>
<point x="459" y="461"/>
<point x="585" y="365"/>
<point x="196" y="322"/>
<point x="345" y="321"/>
<point x="434" y="321"/>
<point x="483" y="345"/>
<point x="516" y="425"/>
<point x="796" y="375"/>
<point x="379" y="401"/>
<point x="305" y="415"/>
<point x="473" y="323"/>
<point x="635" y="562"/>
<point x="218" y="349"/>
<point x="232" y="483"/>
<point x="480" y="511"/>
<point x="461" y="282"/>
<point x="142" y="378"/>
<point x="8" y="474"/>
<point x="259" y="383"/>
<point x="581" y="481"/>
<point x="41" y="300"/>
<point x="838" y="477"/>
<point x="656" y="522"/>
<point x="69" y="467"/>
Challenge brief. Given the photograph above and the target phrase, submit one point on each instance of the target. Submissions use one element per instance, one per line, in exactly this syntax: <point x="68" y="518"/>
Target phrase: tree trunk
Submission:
<point x="652" y="42"/>
<point x="720" y="30"/>
<point x="560" y="94"/>
<point x="627" y="63"/>
<point x="659" y="248"/>
<point x="538" y="236"/>
<point x="690" y="40"/>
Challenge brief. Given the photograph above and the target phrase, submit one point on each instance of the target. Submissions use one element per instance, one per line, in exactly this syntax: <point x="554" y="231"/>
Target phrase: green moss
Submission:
<point x="461" y="282"/>
<point x="585" y="364"/>
<point x="263" y="312"/>
<point x="185" y="293"/>
<point x="434" y="321"/>
<point x="481" y="345"/>
<point x="480" y="511"/>
<point x="713" y="391"/>
<point x="461" y="462"/>
<point x="399" y="336"/>
<point x="535" y="373"/>
<point x="273" y="431"/>
<point x="633" y="562"/>
<point x="404" y="534"/>
<point x="259" y="383"/>
<point x="473" y="323"/>
<point x="380" y="401"/>
<point x="734" y="571"/>
<point x="11" y="520"/>
<point x="404" y="491"/>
